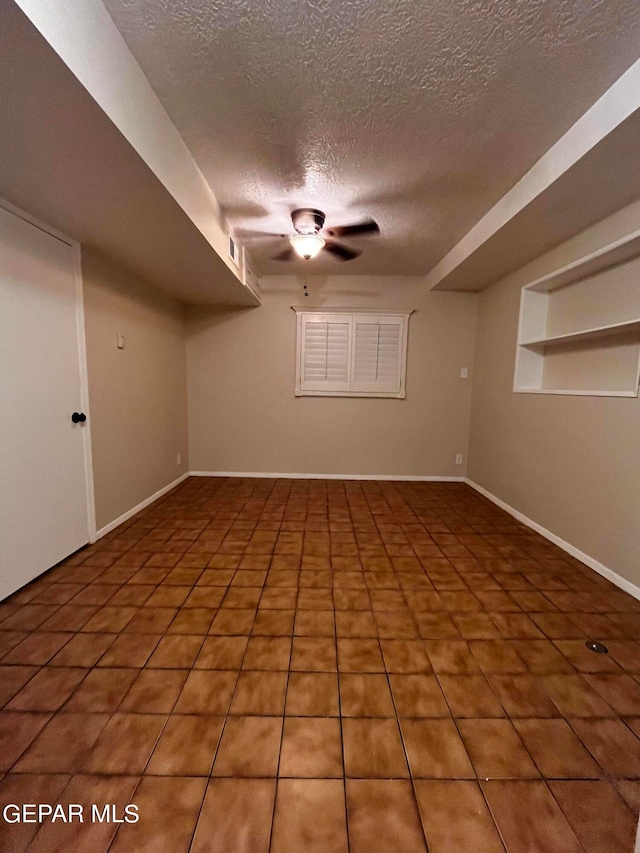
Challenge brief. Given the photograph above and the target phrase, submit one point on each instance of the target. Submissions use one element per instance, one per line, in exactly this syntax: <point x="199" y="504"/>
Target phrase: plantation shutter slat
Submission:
<point x="325" y="353"/>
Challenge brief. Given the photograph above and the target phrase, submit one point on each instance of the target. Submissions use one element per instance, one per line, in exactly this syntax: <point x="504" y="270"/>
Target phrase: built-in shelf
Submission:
<point x="600" y="360"/>
<point x="628" y="326"/>
<point x="618" y="252"/>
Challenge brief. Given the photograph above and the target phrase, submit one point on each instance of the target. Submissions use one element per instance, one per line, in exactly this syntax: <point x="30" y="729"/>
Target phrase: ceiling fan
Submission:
<point x="310" y="236"/>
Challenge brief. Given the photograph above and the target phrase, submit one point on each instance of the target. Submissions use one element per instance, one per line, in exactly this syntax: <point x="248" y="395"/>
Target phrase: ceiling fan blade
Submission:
<point x="343" y="253"/>
<point x="366" y="227"/>
<point x="286" y="255"/>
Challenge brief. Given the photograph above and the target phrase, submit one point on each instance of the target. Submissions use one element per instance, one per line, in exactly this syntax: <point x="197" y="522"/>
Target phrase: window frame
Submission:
<point x="354" y="314"/>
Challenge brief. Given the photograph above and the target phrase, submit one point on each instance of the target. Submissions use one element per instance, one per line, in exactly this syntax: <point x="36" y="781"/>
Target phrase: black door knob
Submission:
<point x="78" y="417"/>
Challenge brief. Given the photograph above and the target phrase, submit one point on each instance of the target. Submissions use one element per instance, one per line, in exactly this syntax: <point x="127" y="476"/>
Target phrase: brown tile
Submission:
<point x="311" y="747"/>
<point x="125" y="744"/>
<point x="312" y="694"/>
<point x="556" y="749"/>
<point x="192" y="620"/>
<point x="451" y="657"/>
<point x="236" y="817"/>
<point x="475" y="626"/>
<point x="405" y="656"/>
<point x="612" y="744"/>
<point x="470" y="696"/>
<point x="267" y="653"/>
<point x="102" y="690"/>
<point x="250" y="747"/>
<point x="273" y="623"/>
<point x="621" y="692"/>
<point x="597" y="814"/>
<point x="88" y="836"/>
<point x="296" y="826"/>
<point x="309" y="599"/>
<point x="383" y="816"/>
<point x="365" y="696"/>
<point x="455" y="817"/>
<point x="221" y="653"/>
<point x="83" y="650"/>
<point x="418" y="696"/>
<point x="63" y="744"/>
<point x="17" y="731"/>
<point x="47" y="690"/>
<point x="496" y="750"/>
<point x="630" y="790"/>
<point x="13" y="679"/>
<point x="435" y="750"/>
<point x="168" y="596"/>
<point x="150" y="620"/>
<point x="154" y="691"/>
<point x="276" y="598"/>
<point x="10" y="639"/>
<point x="575" y="697"/>
<point x="585" y="660"/>
<point x="523" y="696"/>
<point x="542" y="657"/>
<point x="373" y="749"/>
<point x="18" y="788"/>
<point x="359" y="655"/>
<point x="130" y="650"/>
<point x="110" y="619"/>
<point x="29" y="617"/>
<point x="187" y="746"/>
<point x="315" y="623"/>
<point x="168" y="811"/>
<point x="240" y="597"/>
<point x="313" y="654"/>
<point x="436" y="626"/>
<point x="626" y="653"/>
<point x="516" y="626"/>
<point x="351" y="599"/>
<point x="37" y="649"/>
<point x="497" y="656"/>
<point x="176" y="651"/>
<point x="557" y="626"/>
<point x="206" y="692"/>
<point x="528" y="817"/>
<point x="355" y="624"/>
<point x="260" y="693"/>
<point x="233" y="621"/>
<point x="396" y="625"/>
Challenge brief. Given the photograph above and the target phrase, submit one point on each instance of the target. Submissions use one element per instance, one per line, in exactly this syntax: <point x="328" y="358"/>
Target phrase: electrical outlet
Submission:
<point x="464" y="373"/>
<point x="179" y="459"/>
<point x="459" y="459"/>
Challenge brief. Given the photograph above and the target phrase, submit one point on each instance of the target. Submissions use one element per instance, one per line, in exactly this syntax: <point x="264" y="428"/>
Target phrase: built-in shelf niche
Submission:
<point x="579" y="330"/>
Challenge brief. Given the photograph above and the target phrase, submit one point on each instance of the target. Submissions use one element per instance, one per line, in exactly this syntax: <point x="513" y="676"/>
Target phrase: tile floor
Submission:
<point x="322" y="666"/>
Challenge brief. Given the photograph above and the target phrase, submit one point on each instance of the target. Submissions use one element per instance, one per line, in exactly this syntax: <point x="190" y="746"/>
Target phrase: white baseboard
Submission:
<point x="272" y="476"/>
<point x="142" y="505"/>
<point x="594" y="564"/>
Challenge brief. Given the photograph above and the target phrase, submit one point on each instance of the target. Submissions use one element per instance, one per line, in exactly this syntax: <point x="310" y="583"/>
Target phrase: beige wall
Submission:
<point x="137" y="395"/>
<point x="244" y="417"/>
<point x="571" y="464"/>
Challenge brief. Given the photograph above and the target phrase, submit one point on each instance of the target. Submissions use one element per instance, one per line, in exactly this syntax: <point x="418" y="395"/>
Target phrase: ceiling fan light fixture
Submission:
<point x="307" y="245"/>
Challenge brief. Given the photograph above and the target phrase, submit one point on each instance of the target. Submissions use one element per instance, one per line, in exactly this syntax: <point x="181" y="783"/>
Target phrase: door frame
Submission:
<point x="82" y="355"/>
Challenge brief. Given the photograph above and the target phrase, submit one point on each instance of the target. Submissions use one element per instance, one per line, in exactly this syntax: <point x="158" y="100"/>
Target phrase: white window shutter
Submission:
<point x="377" y="354"/>
<point x="360" y="354"/>
<point x="325" y="352"/>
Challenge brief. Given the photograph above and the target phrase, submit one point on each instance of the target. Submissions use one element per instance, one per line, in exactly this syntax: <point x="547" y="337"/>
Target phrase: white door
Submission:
<point x="43" y="478"/>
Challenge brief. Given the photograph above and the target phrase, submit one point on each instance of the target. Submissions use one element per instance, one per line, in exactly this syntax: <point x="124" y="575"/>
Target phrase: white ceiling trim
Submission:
<point x="86" y="39"/>
<point x="617" y="105"/>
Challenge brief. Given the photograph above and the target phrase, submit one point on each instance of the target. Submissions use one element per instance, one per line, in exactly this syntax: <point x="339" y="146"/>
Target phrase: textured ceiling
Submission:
<point x="420" y="114"/>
